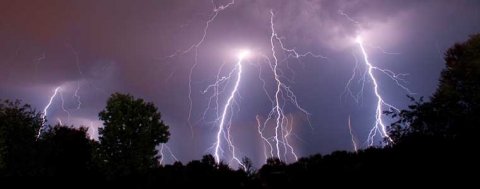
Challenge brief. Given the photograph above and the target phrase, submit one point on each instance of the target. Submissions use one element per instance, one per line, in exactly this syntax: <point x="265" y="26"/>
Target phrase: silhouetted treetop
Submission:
<point x="132" y="130"/>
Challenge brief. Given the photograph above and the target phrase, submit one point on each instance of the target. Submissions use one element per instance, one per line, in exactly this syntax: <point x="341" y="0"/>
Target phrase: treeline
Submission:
<point x="432" y="143"/>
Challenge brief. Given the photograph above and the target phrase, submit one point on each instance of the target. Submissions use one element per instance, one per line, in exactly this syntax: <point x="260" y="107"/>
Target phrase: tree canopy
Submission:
<point x="132" y="130"/>
<point x="19" y="124"/>
<point x="66" y="151"/>
<point x="453" y="109"/>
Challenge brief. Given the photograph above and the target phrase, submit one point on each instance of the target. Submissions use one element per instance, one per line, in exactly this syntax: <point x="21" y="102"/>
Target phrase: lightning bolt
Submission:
<point x="59" y="121"/>
<point x="261" y="129"/>
<point x="379" y="125"/>
<point x="224" y="124"/>
<point x="77" y="62"/>
<point x="164" y="146"/>
<point x="63" y="107"/>
<point x="45" y="110"/>
<point x="347" y="86"/>
<point x="79" y="103"/>
<point x="283" y="125"/>
<point x="351" y="134"/>
<point x="92" y="133"/>
<point x="194" y="48"/>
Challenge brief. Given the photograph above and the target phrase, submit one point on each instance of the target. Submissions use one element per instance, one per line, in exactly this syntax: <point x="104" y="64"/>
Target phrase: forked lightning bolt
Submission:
<point x="278" y="145"/>
<point x="194" y="48"/>
<point x="162" y="154"/>
<point x="45" y="111"/>
<point x="379" y="126"/>
<point x="224" y="122"/>
<point x="63" y="107"/>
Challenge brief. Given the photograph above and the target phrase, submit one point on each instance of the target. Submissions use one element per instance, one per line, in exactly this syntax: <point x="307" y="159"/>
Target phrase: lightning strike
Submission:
<point x="162" y="153"/>
<point x="349" y="18"/>
<point x="266" y="142"/>
<point x="59" y="121"/>
<point x="79" y="103"/>
<point x="45" y="110"/>
<point x="77" y="62"/>
<point x="63" y="107"/>
<point x="283" y="126"/>
<point x="379" y="125"/>
<point x="355" y="147"/>
<point x="92" y="133"/>
<point x="279" y="145"/>
<point x="194" y="48"/>
<point x="225" y="124"/>
<point x="357" y="96"/>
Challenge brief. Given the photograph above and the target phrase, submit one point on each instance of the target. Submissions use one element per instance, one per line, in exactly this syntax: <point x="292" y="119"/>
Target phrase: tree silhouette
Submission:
<point x="273" y="173"/>
<point x="444" y="129"/>
<point x="452" y="112"/>
<point x="66" y="151"/>
<point x="19" y="125"/>
<point x="249" y="169"/>
<point x="132" y="130"/>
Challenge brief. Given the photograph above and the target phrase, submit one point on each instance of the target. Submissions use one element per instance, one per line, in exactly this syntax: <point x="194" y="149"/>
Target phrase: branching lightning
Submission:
<point x="45" y="111"/>
<point x="379" y="126"/>
<point x="194" y="48"/>
<point x="162" y="154"/>
<point x="63" y="107"/>
<point x="225" y="117"/>
<point x="275" y="128"/>
<point x="77" y="62"/>
<point x="279" y="145"/>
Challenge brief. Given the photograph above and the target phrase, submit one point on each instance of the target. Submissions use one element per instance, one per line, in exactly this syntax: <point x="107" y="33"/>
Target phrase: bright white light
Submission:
<point x="243" y="54"/>
<point x="358" y="40"/>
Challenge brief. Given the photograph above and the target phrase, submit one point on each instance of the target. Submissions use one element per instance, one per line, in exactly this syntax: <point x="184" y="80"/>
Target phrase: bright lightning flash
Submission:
<point x="279" y="145"/>
<point x="379" y="126"/>
<point x="225" y="123"/>
<point x="45" y="111"/>
<point x="194" y="48"/>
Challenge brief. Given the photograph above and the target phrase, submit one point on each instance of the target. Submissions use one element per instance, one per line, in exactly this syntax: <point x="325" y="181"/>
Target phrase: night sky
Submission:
<point x="102" y="47"/>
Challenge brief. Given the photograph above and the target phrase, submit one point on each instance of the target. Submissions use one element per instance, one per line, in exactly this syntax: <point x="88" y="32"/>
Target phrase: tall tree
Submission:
<point x="452" y="112"/>
<point x="19" y="124"/>
<point x="132" y="130"/>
